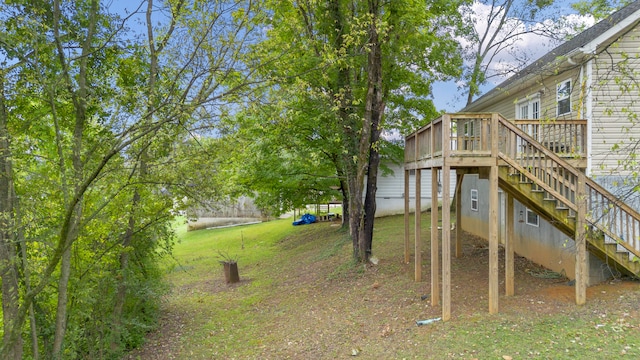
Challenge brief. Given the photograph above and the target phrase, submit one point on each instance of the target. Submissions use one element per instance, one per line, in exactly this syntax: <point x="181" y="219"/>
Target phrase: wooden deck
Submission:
<point x="536" y="162"/>
<point x="468" y="143"/>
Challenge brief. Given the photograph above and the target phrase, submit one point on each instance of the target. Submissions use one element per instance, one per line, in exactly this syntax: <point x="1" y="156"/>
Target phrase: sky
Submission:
<point x="447" y="95"/>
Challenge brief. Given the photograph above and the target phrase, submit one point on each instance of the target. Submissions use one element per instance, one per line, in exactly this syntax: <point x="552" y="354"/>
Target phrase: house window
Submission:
<point x="474" y="199"/>
<point x="528" y="108"/>
<point x="532" y="218"/>
<point x="524" y="112"/>
<point x="563" y="97"/>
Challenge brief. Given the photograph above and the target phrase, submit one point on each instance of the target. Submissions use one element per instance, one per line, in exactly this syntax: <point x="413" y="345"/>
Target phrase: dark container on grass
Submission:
<point x="231" y="271"/>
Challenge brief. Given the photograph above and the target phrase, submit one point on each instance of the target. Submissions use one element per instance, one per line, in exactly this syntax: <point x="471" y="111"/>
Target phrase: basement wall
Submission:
<point x="542" y="244"/>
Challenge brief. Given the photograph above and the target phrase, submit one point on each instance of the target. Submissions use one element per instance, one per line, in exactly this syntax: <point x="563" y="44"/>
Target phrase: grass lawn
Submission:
<point x="302" y="297"/>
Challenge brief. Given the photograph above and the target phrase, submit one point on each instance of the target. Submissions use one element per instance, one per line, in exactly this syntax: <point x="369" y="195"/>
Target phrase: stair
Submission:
<point x="548" y="185"/>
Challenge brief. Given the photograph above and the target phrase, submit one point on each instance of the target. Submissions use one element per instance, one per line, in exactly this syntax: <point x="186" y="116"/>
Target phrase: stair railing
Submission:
<point x="538" y="164"/>
<point x="549" y="172"/>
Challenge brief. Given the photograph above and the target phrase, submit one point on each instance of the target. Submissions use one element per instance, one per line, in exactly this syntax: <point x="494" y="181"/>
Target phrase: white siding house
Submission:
<point x="595" y="76"/>
<point x="390" y="194"/>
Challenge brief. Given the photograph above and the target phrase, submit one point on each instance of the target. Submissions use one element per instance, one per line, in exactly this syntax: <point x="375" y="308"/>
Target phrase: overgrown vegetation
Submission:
<point x="105" y="115"/>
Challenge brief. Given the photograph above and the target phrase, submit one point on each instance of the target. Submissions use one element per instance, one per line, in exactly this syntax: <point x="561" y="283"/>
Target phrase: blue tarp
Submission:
<point x="305" y="219"/>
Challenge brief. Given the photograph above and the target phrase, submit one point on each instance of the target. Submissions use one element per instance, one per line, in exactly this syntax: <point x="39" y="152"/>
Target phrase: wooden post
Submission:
<point x="458" y="197"/>
<point x="494" y="136"/>
<point x="581" y="242"/>
<point x="435" y="251"/>
<point x="508" y="249"/>
<point x="406" y="216"/>
<point x="446" y="243"/>
<point x="418" y="245"/>
<point x="494" y="226"/>
<point x="494" y="229"/>
<point x="446" y="218"/>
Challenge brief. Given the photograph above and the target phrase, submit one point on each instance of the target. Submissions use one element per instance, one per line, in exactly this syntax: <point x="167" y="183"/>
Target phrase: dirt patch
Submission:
<point x="606" y="291"/>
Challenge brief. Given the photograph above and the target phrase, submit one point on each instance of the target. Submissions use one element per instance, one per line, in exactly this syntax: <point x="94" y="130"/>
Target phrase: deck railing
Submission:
<point x="566" y="137"/>
<point x="538" y="164"/>
<point x="605" y="213"/>
<point x="470" y="135"/>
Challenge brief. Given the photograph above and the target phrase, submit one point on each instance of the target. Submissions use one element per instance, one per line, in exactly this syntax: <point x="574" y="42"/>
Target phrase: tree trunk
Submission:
<point x="121" y="288"/>
<point x="79" y="102"/>
<point x="61" y="310"/>
<point x="370" y="205"/>
<point x="345" y="204"/>
<point x="127" y="240"/>
<point x="355" y="215"/>
<point x="373" y="115"/>
<point x="12" y="342"/>
<point x="26" y="277"/>
<point x="353" y="170"/>
<point x="473" y="82"/>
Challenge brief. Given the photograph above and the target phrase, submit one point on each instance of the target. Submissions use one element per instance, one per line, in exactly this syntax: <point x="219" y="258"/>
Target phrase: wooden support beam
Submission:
<point x="508" y="249"/>
<point x="494" y="227"/>
<point x="458" y="196"/>
<point x="435" y="251"/>
<point x="475" y="159"/>
<point x="418" y="245"/>
<point x="495" y="118"/>
<point x="406" y="216"/>
<point x="446" y="244"/>
<point x="581" y="241"/>
<point x="494" y="230"/>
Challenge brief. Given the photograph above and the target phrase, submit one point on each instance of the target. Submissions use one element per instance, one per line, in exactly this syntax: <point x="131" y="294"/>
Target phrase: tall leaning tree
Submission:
<point x="363" y="60"/>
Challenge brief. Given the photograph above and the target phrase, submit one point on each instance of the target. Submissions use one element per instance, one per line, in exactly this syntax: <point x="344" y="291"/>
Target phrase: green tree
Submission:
<point x="360" y="60"/>
<point x="93" y="118"/>
<point x="8" y="235"/>
<point x="599" y="9"/>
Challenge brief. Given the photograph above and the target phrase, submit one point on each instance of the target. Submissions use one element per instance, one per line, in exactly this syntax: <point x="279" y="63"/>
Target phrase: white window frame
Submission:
<point x="537" y="217"/>
<point x="563" y="93"/>
<point x="474" y="199"/>
<point x="532" y="105"/>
